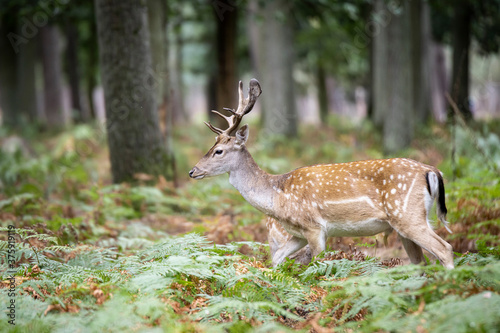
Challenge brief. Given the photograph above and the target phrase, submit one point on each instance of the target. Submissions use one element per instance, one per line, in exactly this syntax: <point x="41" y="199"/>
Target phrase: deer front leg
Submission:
<point x="291" y="246"/>
<point x="317" y="240"/>
<point x="278" y="236"/>
<point x="302" y="256"/>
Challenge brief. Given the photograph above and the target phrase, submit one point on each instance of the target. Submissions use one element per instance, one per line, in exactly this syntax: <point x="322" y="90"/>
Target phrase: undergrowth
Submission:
<point x="91" y="256"/>
<point x="210" y="287"/>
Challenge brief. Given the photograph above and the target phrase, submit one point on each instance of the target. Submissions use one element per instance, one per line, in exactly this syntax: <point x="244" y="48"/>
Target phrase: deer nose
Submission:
<point x="193" y="170"/>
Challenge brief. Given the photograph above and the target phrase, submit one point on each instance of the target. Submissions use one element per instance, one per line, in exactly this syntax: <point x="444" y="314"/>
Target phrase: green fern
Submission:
<point x="237" y="308"/>
<point x="390" y="296"/>
<point x="147" y="279"/>
<point x="340" y="268"/>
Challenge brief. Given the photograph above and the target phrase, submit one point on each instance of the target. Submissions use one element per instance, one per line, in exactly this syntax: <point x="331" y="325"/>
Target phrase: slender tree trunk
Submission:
<point x="381" y="64"/>
<point x="157" y="29"/>
<point x="157" y="32"/>
<point x="134" y="137"/>
<point x="80" y="113"/>
<point x="8" y="77"/>
<point x="157" y="19"/>
<point x="399" y="117"/>
<point x="278" y="99"/>
<point x="420" y="29"/>
<point x="226" y="83"/>
<point x="52" y="76"/>
<point x="211" y="91"/>
<point x="438" y="82"/>
<point x="371" y="78"/>
<point x="176" y="93"/>
<point x="322" y="93"/>
<point x="460" y="68"/>
<point x="26" y="94"/>
<point x="253" y="31"/>
<point x="92" y="69"/>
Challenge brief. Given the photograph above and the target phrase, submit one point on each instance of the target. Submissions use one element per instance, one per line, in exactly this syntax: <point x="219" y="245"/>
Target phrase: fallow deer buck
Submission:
<point x="347" y="199"/>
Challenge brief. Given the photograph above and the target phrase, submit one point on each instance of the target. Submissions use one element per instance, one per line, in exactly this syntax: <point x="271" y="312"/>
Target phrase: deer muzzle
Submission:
<point x="196" y="173"/>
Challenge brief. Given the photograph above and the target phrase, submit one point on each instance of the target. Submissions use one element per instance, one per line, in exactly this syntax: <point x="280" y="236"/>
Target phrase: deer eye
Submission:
<point x="218" y="152"/>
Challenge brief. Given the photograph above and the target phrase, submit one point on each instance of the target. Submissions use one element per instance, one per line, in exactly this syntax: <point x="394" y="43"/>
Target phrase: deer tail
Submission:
<point x="435" y="186"/>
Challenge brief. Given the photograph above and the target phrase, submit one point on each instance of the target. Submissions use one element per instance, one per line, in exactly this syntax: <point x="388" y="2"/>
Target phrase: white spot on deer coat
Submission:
<point x="347" y="201"/>
<point x="407" y="198"/>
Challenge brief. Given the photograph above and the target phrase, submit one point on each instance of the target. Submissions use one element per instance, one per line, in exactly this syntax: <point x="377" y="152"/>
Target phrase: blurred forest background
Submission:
<point x="102" y="106"/>
<point x="161" y="64"/>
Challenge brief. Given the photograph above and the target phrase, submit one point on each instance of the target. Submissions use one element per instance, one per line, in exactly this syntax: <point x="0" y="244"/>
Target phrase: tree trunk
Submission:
<point x="226" y="83"/>
<point x="253" y="35"/>
<point x="176" y="93"/>
<point x="157" y="28"/>
<point x="371" y="78"/>
<point x="157" y="19"/>
<point x="26" y="81"/>
<point x="80" y="113"/>
<point x="439" y="82"/>
<point x="380" y="63"/>
<point x="322" y="93"/>
<point x="460" y="72"/>
<point x="8" y="63"/>
<point x="420" y="28"/>
<point x="91" y="73"/>
<point x="134" y="137"/>
<point x="399" y="117"/>
<point x="278" y="99"/>
<point x="52" y="76"/>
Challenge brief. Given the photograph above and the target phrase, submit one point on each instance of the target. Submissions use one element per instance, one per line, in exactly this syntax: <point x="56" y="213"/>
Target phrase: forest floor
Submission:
<point x="80" y="254"/>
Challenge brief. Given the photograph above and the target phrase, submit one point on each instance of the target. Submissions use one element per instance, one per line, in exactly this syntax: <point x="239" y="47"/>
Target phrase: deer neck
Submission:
<point x="254" y="184"/>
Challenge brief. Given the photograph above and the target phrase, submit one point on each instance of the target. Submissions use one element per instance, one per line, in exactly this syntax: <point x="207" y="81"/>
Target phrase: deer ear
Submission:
<point x="241" y="136"/>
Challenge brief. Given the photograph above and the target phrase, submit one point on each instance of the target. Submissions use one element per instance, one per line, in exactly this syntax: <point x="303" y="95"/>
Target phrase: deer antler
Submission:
<point x="245" y="105"/>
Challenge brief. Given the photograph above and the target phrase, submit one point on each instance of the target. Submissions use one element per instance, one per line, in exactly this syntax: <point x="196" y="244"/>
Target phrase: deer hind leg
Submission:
<point x="413" y="250"/>
<point x="426" y="238"/>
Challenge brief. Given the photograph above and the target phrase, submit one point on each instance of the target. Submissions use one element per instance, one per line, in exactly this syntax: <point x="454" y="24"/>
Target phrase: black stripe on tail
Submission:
<point x="441" y="196"/>
<point x="441" y="193"/>
<point x="428" y="184"/>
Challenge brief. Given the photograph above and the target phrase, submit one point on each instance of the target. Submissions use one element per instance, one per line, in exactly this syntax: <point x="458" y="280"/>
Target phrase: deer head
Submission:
<point x="224" y="155"/>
